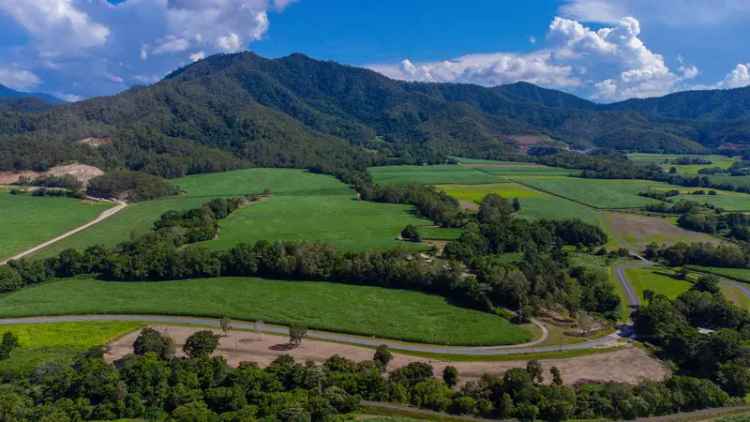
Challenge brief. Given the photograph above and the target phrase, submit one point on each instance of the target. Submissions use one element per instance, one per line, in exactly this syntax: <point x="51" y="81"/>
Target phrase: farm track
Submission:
<point x="611" y="340"/>
<point x="120" y="205"/>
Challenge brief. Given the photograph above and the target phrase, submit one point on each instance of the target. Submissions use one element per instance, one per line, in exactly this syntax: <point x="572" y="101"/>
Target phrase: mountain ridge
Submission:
<point x="295" y="111"/>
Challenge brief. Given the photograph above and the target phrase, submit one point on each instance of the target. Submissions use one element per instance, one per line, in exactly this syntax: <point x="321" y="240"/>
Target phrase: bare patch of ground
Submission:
<point x="95" y="142"/>
<point x="635" y="231"/>
<point x="469" y="205"/>
<point x="629" y="365"/>
<point x="81" y="172"/>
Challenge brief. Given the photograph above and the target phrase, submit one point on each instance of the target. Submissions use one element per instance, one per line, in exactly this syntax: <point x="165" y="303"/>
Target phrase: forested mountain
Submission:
<point x="241" y="109"/>
<point x="11" y="95"/>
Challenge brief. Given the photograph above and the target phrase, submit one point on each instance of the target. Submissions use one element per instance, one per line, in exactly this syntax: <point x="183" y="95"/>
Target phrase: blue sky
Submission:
<point x="599" y="49"/>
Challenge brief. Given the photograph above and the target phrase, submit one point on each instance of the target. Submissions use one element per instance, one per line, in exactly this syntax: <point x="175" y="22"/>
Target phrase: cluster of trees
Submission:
<point x="430" y="203"/>
<point x="198" y="224"/>
<point x="130" y="185"/>
<point x="7" y="345"/>
<point x="680" y="207"/>
<point x="661" y="196"/>
<point x="702" y="333"/>
<point x="690" y="161"/>
<point x="62" y="182"/>
<point x="733" y="225"/>
<point x="540" y="278"/>
<point x="495" y="231"/>
<point x="701" y="253"/>
<point x="152" y="383"/>
<point x="49" y="192"/>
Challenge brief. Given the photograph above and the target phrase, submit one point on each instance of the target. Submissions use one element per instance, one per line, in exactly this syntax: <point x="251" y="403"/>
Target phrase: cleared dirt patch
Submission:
<point x="635" y="231"/>
<point x="95" y="142"/>
<point x="81" y="172"/>
<point x="629" y="365"/>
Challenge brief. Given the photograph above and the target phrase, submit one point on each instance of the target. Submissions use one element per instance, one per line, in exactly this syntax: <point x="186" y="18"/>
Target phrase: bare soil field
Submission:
<point x="81" y="172"/>
<point x="629" y="365"/>
<point x="634" y="231"/>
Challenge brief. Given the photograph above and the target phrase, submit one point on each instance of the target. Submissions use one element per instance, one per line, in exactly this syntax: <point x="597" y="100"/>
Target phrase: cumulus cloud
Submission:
<point x="607" y="64"/>
<point x="56" y="26"/>
<point x="739" y="77"/>
<point x="676" y="13"/>
<point x="485" y="69"/>
<point x="18" y="79"/>
<point x="96" y="39"/>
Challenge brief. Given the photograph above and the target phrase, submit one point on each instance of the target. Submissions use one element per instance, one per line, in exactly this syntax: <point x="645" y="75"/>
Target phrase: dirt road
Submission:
<point x="119" y="206"/>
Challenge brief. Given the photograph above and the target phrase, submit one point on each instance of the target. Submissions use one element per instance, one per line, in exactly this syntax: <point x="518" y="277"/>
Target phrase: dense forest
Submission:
<point x="242" y="109"/>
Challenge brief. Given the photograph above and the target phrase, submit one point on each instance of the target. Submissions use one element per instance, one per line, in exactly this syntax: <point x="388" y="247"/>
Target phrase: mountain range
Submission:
<point x="243" y="109"/>
<point x="34" y="101"/>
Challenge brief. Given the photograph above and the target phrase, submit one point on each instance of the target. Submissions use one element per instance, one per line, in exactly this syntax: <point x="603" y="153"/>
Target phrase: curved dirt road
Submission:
<point x="120" y="205"/>
<point x="603" y="342"/>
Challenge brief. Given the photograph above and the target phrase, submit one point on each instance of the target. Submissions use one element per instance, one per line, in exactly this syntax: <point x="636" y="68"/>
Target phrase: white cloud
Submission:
<point x="87" y="41"/>
<point x="739" y="77"/>
<point x="71" y="98"/>
<point x="169" y="45"/>
<point x="485" y="69"/>
<point x="199" y="55"/>
<point x="57" y="26"/>
<point x="676" y="13"/>
<point x="19" y="79"/>
<point x="607" y="64"/>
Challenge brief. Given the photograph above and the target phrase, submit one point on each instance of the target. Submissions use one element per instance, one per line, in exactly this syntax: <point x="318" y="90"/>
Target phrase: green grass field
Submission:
<point x="58" y="342"/>
<point x="655" y="280"/>
<point x="508" y="169"/>
<point x="303" y="206"/>
<point x="598" y="193"/>
<point x="371" y="311"/>
<point x="739" y="274"/>
<point x="730" y="201"/>
<point x="735" y="295"/>
<point x="429" y="175"/>
<point x="534" y="204"/>
<point x="732" y="180"/>
<point x="687" y="169"/>
<point x="26" y="221"/>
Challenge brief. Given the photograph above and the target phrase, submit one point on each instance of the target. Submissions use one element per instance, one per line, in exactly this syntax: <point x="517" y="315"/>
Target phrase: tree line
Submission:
<point x="152" y="383"/>
<point x="701" y="253"/>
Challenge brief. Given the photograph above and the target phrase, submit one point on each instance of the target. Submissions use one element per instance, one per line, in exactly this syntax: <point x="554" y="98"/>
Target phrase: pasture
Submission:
<point x="597" y="193"/>
<point x="58" y="342"/>
<point x="739" y="274"/>
<point x="534" y="204"/>
<point x="303" y="206"/>
<point x="517" y="169"/>
<point x="729" y="201"/>
<point x="26" y="221"/>
<point x="370" y="311"/>
<point x="657" y="281"/>
<point x="663" y="161"/>
<point x="739" y="181"/>
<point x="428" y="175"/>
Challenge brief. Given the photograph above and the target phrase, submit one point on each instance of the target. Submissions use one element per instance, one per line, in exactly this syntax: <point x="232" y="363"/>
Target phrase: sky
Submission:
<point x="603" y="50"/>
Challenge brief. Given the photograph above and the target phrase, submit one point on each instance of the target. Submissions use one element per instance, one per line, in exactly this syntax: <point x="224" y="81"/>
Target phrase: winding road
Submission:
<point x="120" y="205"/>
<point x="611" y="340"/>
